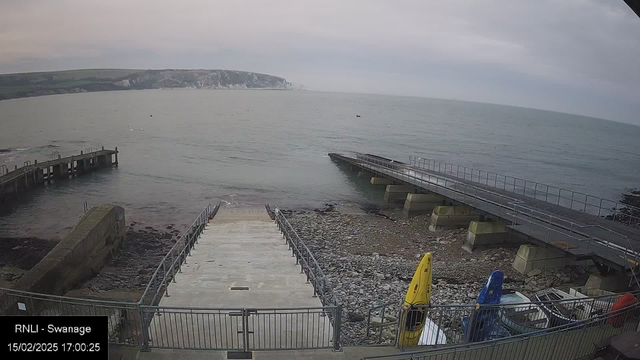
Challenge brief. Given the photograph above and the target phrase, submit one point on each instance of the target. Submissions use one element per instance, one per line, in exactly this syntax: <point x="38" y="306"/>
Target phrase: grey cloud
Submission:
<point x="515" y="52"/>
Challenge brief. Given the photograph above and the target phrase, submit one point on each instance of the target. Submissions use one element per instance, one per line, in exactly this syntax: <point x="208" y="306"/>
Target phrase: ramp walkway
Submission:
<point x="241" y="288"/>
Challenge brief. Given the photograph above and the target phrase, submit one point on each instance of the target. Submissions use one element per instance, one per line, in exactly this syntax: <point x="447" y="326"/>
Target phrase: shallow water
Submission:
<point x="252" y="147"/>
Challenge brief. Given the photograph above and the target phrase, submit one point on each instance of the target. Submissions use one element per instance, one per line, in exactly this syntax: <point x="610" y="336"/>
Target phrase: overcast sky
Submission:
<point x="577" y="56"/>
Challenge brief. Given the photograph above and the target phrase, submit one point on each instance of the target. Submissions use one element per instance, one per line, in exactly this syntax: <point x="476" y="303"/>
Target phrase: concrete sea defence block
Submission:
<point x="424" y="198"/>
<point x="530" y="257"/>
<point x="452" y="211"/>
<point x="395" y="193"/>
<point x="380" y="181"/>
<point x="80" y="254"/>
<point x="418" y="204"/>
<point x="486" y="233"/>
<point x="451" y="217"/>
<point x="485" y="227"/>
<point x="614" y="283"/>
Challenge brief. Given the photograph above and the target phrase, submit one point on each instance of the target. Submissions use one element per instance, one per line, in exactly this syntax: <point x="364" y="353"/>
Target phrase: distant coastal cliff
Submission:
<point x="76" y="81"/>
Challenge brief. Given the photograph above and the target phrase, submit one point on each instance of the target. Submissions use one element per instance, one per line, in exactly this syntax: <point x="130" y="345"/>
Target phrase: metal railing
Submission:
<point x="450" y="323"/>
<point x="124" y="318"/>
<point x="382" y="317"/>
<point x="172" y="262"/>
<point x="575" y="236"/>
<point x="243" y="329"/>
<point x="570" y="199"/>
<point x="567" y="342"/>
<point x="488" y="200"/>
<point x="308" y="263"/>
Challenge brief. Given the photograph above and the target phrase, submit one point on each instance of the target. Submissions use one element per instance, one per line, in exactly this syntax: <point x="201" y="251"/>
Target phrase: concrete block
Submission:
<point x="424" y="198"/>
<point x="451" y="217"/>
<point x="614" y="283"/>
<point x="418" y="204"/>
<point x="485" y="233"/>
<point x="396" y="193"/>
<point x="405" y="189"/>
<point x="485" y="227"/>
<point x="530" y="257"/>
<point x="380" y="181"/>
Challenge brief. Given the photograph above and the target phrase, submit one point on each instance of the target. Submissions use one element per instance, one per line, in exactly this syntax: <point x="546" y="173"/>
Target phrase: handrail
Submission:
<point x="393" y="168"/>
<point x="177" y="254"/>
<point x="447" y="313"/>
<point x="573" y="228"/>
<point x="539" y="189"/>
<point x="308" y="263"/>
<point x="235" y="308"/>
<point x="635" y="293"/>
<point x="583" y="324"/>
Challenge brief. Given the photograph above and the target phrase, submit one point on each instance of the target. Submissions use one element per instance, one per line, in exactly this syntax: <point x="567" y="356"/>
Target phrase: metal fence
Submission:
<point x="566" y="342"/>
<point x="613" y="246"/>
<point x="124" y="318"/>
<point x="461" y="324"/>
<point x="244" y="329"/>
<point x="308" y="263"/>
<point x="172" y="262"/>
<point x="552" y="194"/>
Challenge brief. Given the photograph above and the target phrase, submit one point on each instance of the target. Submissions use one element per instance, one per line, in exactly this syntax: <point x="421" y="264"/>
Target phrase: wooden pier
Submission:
<point x="23" y="179"/>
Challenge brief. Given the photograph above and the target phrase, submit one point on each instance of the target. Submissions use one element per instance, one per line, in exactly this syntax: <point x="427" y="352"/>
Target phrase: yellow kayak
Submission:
<point x="418" y="295"/>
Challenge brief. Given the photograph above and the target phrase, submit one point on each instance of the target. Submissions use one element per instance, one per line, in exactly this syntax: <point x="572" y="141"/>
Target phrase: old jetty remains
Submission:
<point x="22" y="179"/>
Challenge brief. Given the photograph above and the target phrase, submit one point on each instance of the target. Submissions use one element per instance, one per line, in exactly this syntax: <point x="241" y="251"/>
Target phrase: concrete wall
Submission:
<point x="80" y="255"/>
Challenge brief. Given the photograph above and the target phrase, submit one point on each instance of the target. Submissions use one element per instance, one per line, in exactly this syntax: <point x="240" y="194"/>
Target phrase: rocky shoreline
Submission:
<point x="132" y="266"/>
<point x="18" y="255"/>
<point x="370" y="257"/>
<point x="124" y="277"/>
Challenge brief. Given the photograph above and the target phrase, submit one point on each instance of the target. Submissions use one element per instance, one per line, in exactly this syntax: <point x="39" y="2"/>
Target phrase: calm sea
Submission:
<point x="252" y="147"/>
